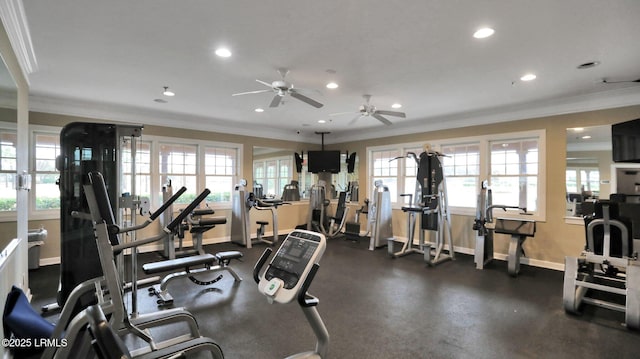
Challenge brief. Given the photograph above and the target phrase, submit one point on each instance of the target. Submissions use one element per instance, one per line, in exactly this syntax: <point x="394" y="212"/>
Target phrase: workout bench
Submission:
<point x="208" y="263"/>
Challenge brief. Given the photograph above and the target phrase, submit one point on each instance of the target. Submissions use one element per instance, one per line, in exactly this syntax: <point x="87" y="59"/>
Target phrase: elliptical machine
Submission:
<point x="288" y="277"/>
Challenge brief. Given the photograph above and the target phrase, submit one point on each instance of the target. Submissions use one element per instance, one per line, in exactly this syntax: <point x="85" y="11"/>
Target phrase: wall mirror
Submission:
<point x="8" y="149"/>
<point x="588" y="167"/>
<point x="275" y="168"/>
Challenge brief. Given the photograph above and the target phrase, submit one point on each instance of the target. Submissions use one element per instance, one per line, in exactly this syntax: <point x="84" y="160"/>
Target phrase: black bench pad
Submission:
<point x="212" y="221"/>
<point x="168" y="265"/>
<point x="264" y="223"/>
<point x="228" y="255"/>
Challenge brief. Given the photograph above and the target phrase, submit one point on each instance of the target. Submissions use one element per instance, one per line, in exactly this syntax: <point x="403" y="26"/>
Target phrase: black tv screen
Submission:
<point x="323" y="161"/>
<point x="625" y="141"/>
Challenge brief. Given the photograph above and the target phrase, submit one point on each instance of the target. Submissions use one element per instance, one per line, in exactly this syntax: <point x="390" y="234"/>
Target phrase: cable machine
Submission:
<point x="86" y="147"/>
<point x="430" y="203"/>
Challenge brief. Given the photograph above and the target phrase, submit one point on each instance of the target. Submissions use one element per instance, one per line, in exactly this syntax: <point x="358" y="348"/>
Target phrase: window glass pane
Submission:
<point x="7" y="192"/>
<point x="8" y="143"/>
<point x="220" y="172"/>
<point x="143" y="168"/>
<point x="571" y="181"/>
<point x="47" y="191"/>
<point x="178" y="165"/>
<point x="514" y="169"/>
<point x="461" y="167"/>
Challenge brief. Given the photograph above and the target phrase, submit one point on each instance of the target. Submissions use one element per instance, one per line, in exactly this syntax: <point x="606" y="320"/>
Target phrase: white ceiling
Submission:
<point x="110" y="59"/>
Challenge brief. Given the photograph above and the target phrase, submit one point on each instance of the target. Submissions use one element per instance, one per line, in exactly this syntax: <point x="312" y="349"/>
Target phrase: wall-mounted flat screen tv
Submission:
<point x="625" y="141"/>
<point x="323" y="161"/>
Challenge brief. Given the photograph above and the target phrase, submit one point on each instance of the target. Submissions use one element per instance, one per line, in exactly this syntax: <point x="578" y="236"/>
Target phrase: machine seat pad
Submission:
<point x="228" y="255"/>
<point x="412" y="208"/>
<point x="262" y="223"/>
<point x="169" y="265"/>
<point x="203" y="212"/>
<point x="212" y="221"/>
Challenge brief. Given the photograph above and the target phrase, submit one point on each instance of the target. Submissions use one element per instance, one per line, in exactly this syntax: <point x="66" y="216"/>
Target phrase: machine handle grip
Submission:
<point x="182" y="215"/>
<point x="305" y="299"/>
<point x="168" y="203"/>
<point x="260" y="263"/>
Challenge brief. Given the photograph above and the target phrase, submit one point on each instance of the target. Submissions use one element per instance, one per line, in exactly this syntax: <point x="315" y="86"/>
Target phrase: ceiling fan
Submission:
<point x="281" y="89"/>
<point x="369" y="110"/>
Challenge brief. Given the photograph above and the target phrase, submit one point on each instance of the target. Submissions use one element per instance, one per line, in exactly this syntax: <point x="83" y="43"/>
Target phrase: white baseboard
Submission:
<point x="463" y="250"/>
<point x="503" y="257"/>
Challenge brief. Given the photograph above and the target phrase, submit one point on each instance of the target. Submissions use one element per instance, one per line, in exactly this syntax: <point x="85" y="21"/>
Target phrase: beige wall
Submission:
<point x="554" y="238"/>
<point x="289" y="216"/>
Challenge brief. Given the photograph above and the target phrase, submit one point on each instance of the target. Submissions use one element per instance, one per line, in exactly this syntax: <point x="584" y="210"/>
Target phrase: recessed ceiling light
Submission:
<point x="586" y="137"/>
<point x="259" y="110"/>
<point x="528" y="77"/>
<point x="577" y="129"/>
<point x="223" y="52"/>
<point x="168" y="92"/>
<point x="322" y="121"/>
<point x="396" y="105"/>
<point x="483" y="33"/>
<point x="332" y="85"/>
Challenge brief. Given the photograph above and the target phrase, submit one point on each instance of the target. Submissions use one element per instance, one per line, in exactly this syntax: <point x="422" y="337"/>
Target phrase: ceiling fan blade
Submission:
<point x="392" y="113"/>
<point x="276" y="101"/>
<point x="381" y="119"/>
<point x="343" y="113"/>
<point x="355" y="119"/>
<point x="264" y="83"/>
<point x="306" y="99"/>
<point x="250" y="92"/>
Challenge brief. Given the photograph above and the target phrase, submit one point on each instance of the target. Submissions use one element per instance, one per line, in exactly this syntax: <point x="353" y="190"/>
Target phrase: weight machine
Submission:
<point x="607" y="273"/>
<point x="430" y="203"/>
<point x="518" y="229"/>
<point x="87" y="147"/>
<point x="242" y="203"/>
<point x="317" y="219"/>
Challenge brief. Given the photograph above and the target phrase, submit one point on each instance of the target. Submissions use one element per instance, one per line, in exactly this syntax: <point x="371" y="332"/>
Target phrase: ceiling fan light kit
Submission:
<point x="281" y="89"/>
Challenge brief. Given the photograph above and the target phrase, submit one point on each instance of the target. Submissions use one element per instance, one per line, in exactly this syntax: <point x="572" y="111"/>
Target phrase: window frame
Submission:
<point x="154" y="140"/>
<point x="35" y="130"/>
<point x="484" y="170"/>
<point x="280" y="163"/>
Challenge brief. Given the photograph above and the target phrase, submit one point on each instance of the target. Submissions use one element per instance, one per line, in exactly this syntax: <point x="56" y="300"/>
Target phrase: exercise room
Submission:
<point x="341" y="179"/>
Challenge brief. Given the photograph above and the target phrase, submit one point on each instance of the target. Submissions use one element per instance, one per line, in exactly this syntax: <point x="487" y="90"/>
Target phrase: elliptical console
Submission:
<point x="289" y="275"/>
<point x="291" y="265"/>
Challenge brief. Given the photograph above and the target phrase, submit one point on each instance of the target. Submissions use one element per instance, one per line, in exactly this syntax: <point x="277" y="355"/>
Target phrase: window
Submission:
<point x="461" y="168"/>
<point x="8" y="146"/>
<point x="410" y="165"/>
<point x="511" y="163"/>
<point x="46" y="192"/>
<point x="383" y="167"/>
<point x="143" y="168"/>
<point x="583" y="180"/>
<point x="273" y="174"/>
<point x="514" y="173"/>
<point x="178" y="164"/>
<point x="220" y="172"/>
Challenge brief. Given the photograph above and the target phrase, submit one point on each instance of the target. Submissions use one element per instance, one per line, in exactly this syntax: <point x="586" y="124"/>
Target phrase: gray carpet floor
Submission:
<point x="378" y="307"/>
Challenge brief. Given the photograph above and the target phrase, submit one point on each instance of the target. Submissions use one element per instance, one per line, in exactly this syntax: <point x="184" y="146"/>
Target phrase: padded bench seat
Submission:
<point x="178" y="263"/>
<point x="201" y="259"/>
<point x="226" y="256"/>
